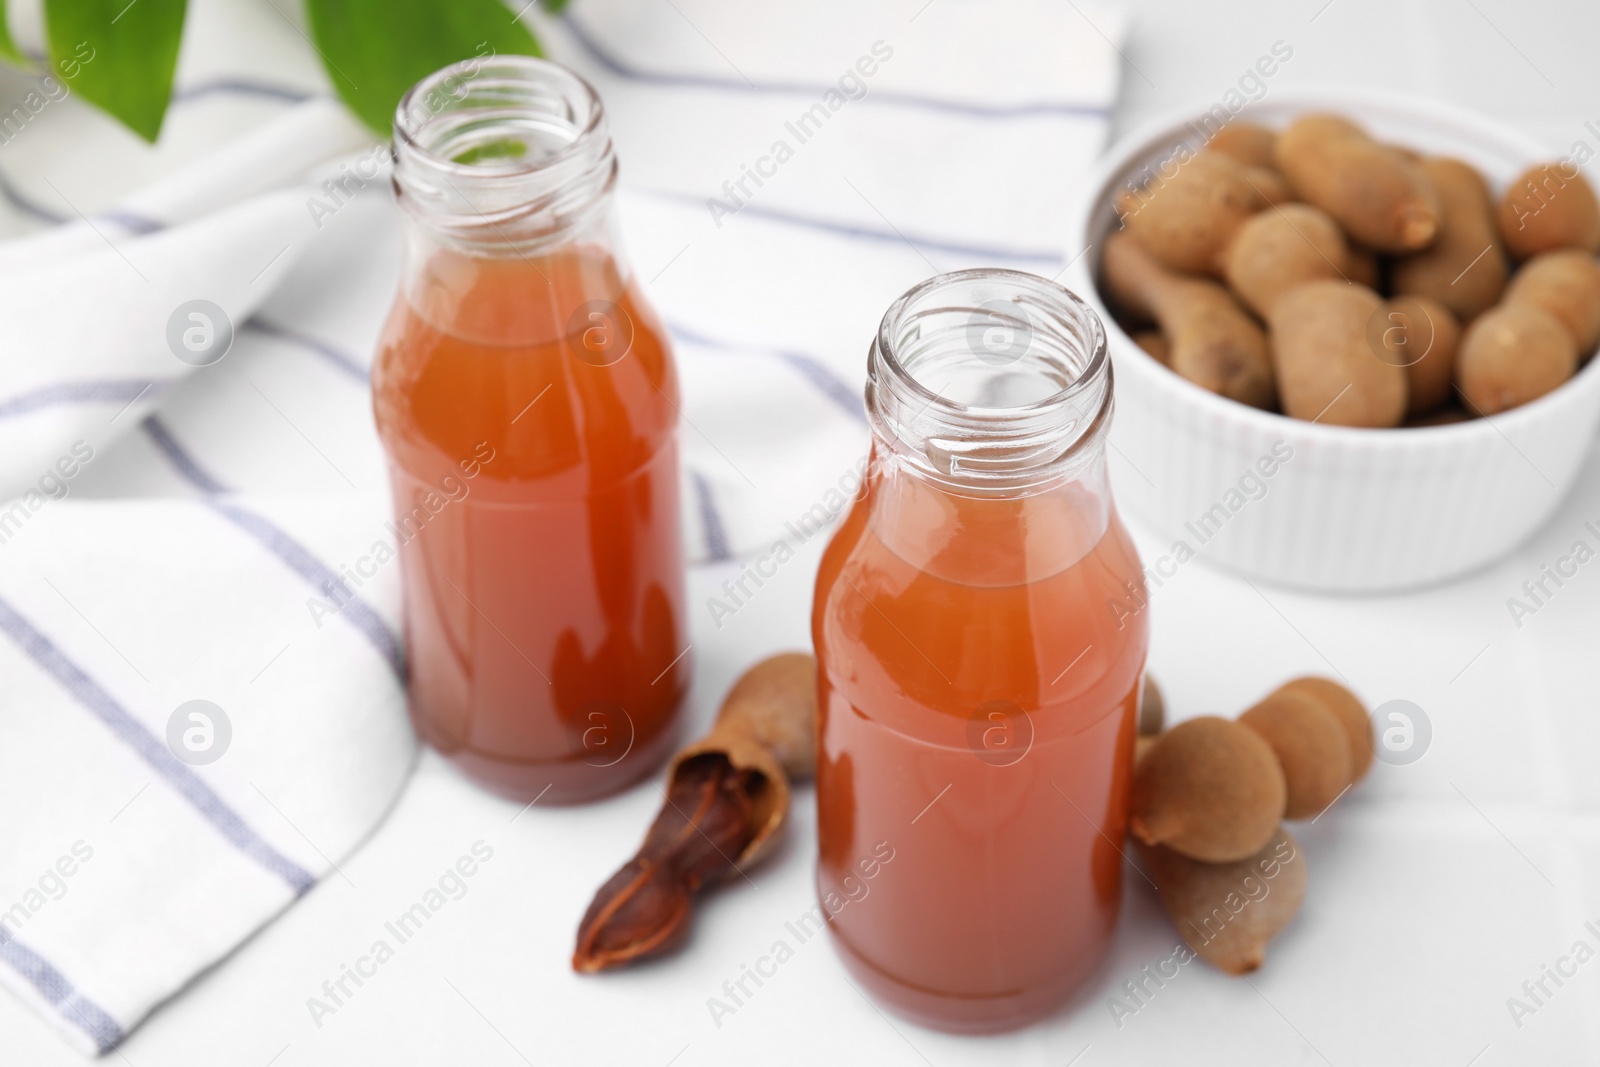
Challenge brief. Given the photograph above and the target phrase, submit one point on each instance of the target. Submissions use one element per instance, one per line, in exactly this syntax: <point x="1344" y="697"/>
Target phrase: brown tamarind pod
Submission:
<point x="1208" y="788"/>
<point x="727" y="799"/>
<point x="1361" y="266"/>
<point x="1566" y="283"/>
<point x="1419" y="334"/>
<point x="1228" y="912"/>
<point x="1248" y="142"/>
<point x="1152" y="709"/>
<point x="1280" y="249"/>
<point x="1382" y="199"/>
<point x="1547" y="207"/>
<point x="1153" y="342"/>
<point x="1327" y="368"/>
<point x="1269" y="185"/>
<point x="1445" y="416"/>
<point x="1348" y="709"/>
<point x="1311" y="746"/>
<point x="1211" y="340"/>
<point x="1465" y="268"/>
<point x="1513" y="353"/>
<point x="773" y="704"/>
<point x="1185" y="221"/>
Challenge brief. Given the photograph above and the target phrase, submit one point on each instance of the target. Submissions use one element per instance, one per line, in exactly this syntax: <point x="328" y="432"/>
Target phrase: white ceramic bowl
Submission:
<point x="1351" y="509"/>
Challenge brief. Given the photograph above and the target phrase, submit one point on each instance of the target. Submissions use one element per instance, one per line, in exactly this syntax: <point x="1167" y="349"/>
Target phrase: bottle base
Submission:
<point x="965" y="1013"/>
<point x="553" y="782"/>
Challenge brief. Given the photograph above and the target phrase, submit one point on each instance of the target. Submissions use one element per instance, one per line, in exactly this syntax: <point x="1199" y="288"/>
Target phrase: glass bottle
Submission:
<point x="980" y="630"/>
<point x="527" y="399"/>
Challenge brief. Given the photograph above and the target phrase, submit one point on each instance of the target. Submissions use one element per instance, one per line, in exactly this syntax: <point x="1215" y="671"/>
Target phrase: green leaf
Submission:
<point x="8" y="47"/>
<point x="501" y="149"/>
<point x="374" y="50"/>
<point x="124" y="54"/>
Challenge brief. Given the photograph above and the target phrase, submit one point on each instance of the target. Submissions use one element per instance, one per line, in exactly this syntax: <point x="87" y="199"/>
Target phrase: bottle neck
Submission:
<point x="505" y="170"/>
<point x="506" y="156"/>
<point x="990" y="395"/>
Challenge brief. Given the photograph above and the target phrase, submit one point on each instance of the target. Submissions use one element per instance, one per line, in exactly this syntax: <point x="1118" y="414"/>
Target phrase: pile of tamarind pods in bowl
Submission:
<point x="1385" y="307"/>
<point x="1323" y="273"/>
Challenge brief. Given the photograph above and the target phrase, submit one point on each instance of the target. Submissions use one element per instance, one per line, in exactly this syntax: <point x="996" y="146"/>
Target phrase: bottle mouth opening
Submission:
<point x="512" y="144"/>
<point x="991" y="342"/>
<point x="991" y="377"/>
<point x="508" y="115"/>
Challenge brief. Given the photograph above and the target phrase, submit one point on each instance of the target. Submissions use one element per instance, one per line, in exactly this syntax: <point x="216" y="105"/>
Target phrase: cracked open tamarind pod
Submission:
<point x="773" y="704"/>
<point x="727" y="799"/>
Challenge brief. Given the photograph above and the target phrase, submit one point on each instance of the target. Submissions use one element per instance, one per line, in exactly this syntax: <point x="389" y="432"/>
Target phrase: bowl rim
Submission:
<point x="1170" y="126"/>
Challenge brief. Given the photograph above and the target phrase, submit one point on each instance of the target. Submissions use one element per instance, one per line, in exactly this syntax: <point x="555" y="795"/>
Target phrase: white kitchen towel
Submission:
<point x="185" y="747"/>
<point x="182" y="532"/>
<point x="789" y="171"/>
<point x="183" y="753"/>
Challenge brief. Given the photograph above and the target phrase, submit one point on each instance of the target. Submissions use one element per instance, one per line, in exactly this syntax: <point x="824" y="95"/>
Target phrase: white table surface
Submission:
<point x="1436" y="889"/>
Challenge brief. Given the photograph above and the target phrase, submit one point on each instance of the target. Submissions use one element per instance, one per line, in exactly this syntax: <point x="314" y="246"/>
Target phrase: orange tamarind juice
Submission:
<point x="981" y="632"/>
<point x="528" y="402"/>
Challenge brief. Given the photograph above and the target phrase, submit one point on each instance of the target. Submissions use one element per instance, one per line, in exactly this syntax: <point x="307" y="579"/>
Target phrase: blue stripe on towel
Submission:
<point x="150" y="748"/>
<point x="25" y="205"/>
<point x="241" y="87"/>
<point x="882" y="96"/>
<point x="53" y="986"/>
<point x="179" y="457"/>
<point x="102" y="391"/>
<point x="339" y="359"/>
<point x="819" y="374"/>
<point x="716" y="533"/>
<point x="296" y="556"/>
<point x="867" y="233"/>
<point x="139" y="224"/>
<point x="812" y="369"/>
